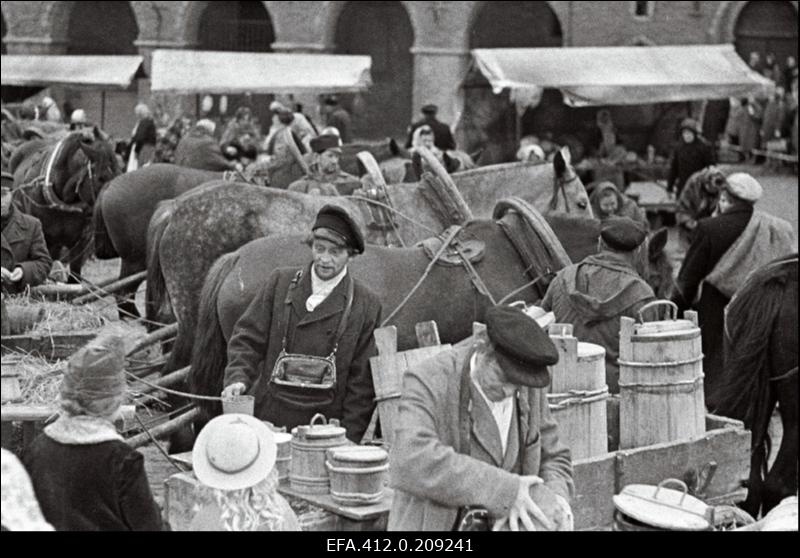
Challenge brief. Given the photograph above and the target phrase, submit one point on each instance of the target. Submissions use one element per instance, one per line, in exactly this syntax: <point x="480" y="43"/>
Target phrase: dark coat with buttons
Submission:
<point x="23" y="245"/>
<point x="256" y="344"/>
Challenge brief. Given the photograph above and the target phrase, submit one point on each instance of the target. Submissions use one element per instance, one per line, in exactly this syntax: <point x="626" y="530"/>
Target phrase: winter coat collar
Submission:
<point x="82" y="430"/>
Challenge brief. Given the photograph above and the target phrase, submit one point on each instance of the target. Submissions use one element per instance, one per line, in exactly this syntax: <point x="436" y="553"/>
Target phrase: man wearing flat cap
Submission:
<point x="326" y="178"/>
<point x="593" y="294"/>
<point x="474" y="430"/>
<point x="319" y="310"/>
<point x="725" y="248"/>
<point x="442" y="136"/>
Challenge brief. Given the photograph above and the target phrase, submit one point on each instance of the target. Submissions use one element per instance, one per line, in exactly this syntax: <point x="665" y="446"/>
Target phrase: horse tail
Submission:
<point x="210" y="356"/>
<point x="156" y="295"/>
<point x="104" y="247"/>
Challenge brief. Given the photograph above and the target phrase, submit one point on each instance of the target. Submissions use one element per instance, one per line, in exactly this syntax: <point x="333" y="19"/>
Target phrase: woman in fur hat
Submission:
<point x="85" y="476"/>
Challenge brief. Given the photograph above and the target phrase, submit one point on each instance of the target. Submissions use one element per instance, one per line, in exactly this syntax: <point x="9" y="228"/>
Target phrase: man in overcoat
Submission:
<point x="307" y="307"/>
<point x="199" y="149"/>
<point x="25" y="258"/>
<point x="474" y="430"/>
<point x="326" y="178"/>
<point x="442" y="136"/>
<point x="595" y="293"/>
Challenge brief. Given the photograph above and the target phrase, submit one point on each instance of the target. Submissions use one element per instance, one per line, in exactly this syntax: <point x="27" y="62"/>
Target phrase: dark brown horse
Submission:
<point x="58" y="183"/>
<point x="761" y="370"/>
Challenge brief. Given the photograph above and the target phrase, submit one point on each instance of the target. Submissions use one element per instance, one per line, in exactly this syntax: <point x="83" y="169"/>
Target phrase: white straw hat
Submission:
<point x="234" y="451"/>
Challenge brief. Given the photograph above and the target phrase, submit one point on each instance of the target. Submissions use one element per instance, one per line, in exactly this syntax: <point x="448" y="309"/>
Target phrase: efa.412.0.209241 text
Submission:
<point x="400" y="544"/>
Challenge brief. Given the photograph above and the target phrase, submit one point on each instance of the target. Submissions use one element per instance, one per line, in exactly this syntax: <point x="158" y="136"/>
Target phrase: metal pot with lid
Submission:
<point x="644" y="507"/>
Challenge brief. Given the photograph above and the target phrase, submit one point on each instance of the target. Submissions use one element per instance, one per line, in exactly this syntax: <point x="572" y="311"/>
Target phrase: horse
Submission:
<point x="220" y="218"/>
<point x="58" y="183"/>
<point x="446" y="294"/>
<point x="761" y="370"/>
<point x="123" y="212"/>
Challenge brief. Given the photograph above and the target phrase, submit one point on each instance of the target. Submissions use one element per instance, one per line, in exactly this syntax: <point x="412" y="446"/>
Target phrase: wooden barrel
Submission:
<point x="283" y="458"/>
<point x="307" y="472"/>
<point x="578" y="394"/>
<point x="660" y="379"/>
<point x="357" y="474"/>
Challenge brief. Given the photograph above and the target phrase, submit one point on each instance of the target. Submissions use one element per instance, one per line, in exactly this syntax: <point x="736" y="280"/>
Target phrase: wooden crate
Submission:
<point x="53" y="347"/>
<point x="21" y="424"/>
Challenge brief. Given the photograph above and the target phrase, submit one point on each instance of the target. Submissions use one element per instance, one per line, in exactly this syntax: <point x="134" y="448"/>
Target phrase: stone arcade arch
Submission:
<point x="766" y="27"/>
<point x="384" y="31"/>
<point x="102" y="28"/>
<point x="489" y="121"/>
<point x="244" y="26"/>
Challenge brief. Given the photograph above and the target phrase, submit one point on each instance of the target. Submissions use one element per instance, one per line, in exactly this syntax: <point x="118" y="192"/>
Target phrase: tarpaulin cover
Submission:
<point x="105" y="72"/>
<point x="198" y="71"/>
<point x="622" y="75"/>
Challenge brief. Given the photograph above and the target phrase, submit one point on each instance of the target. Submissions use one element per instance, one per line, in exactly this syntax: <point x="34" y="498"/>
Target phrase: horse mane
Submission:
<point x="749" y="325"/>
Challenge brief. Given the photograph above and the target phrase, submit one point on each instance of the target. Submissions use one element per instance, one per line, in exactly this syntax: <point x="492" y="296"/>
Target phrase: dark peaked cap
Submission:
<point x="524" y="350"/>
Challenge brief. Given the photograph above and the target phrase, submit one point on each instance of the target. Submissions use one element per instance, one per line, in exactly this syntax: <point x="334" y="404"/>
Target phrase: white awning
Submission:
<point x="622" y="75"/>
<point x="198" y="71"/>
<point x="102" y="72"/>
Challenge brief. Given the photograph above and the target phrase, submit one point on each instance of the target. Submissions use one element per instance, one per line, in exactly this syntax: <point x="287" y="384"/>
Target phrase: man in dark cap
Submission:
<point x="326" y="178"/>
<point x="336" y="116"/>
<point x="319" y="310"/>
<point x="592" y="295"/>
<point x="474" y="430"/>
<point x="442" y="136"/>
<point x="692" y="154"/>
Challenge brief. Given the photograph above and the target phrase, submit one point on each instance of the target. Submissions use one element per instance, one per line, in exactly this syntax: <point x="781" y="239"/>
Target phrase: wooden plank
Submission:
<point x="387" y="376"/>
<point x="427" y="334"/>
<point x="725" y="449"/>
<point x="355" y="513"/>
<point x="20" y="413"/>
<point x="593" y="505"/>
<point x="53" y="347"/>
<point x="386" y="340"/>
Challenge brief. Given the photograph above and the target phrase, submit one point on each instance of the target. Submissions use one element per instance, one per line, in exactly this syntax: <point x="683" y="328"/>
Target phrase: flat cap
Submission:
<point x="322" y="143"/>
<point x="622" y="233"/>
<point x="690" y="124"/>
<point x="744" y="187"/>
<point x="524" y="350"/>
<point x="335" y="224"/>
<point x="430" y="109"/>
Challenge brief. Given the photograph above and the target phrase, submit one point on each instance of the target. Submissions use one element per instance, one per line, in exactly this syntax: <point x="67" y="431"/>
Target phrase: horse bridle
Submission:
<point x="559" y="185"/>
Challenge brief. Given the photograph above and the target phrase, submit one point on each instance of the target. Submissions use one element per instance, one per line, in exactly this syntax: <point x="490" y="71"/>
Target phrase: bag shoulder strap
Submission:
<point x="288" y="304"/>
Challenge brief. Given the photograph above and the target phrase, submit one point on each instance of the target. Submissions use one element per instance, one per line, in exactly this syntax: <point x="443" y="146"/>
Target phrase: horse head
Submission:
<point x="654" y="266"/>
<point x="97" y="168"/>
<point x="569" y="192"/>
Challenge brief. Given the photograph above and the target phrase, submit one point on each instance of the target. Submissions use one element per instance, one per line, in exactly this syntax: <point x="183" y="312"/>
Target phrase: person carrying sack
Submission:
<point x="303" y="345"/>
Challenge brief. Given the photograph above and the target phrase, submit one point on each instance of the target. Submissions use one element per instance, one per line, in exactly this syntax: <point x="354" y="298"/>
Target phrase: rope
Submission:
<point x="173" y="391"/>
<point x="451" y="235"/>
<point x="160" y="448"/>
<point x="520" y="289"/>
<point x="390" y="208"/>
<point x="94" y="290"/>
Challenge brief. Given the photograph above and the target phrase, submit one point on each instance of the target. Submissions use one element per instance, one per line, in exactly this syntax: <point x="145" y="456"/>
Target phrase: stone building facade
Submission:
<point x="420" y="50"/>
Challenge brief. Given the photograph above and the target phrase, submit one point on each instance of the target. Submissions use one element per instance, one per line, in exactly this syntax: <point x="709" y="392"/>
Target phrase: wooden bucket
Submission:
<point x="283" y="458"/>
<point x="357" y="474"/>
<point x="660" y="379"/>
<point x="307" y="472"/>
<point x="11" y="390"/>
<point x="578" y="394"/>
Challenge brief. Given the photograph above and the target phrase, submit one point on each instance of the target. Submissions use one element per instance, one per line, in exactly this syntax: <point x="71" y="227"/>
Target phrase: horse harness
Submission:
<point x="559" y="185"/>
<point x="45" y="182"/>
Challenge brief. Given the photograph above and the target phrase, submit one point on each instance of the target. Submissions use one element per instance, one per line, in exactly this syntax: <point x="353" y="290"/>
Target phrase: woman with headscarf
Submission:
<point x="85" y="476"/>
<point x="607" y="202"/>
<point x="692" y="154"/>
<point x="143" y="139"/>
<point x="234" y="456"/>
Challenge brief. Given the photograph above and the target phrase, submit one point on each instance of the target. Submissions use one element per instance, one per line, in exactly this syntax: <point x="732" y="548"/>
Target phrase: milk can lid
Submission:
<point x="359" y="454"/>
<point x="664" y="508"/>
<point x="319" y="429"/>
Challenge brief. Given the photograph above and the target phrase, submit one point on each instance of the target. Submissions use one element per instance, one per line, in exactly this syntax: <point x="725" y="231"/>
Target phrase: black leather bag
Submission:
<point x="307" y="382"/>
